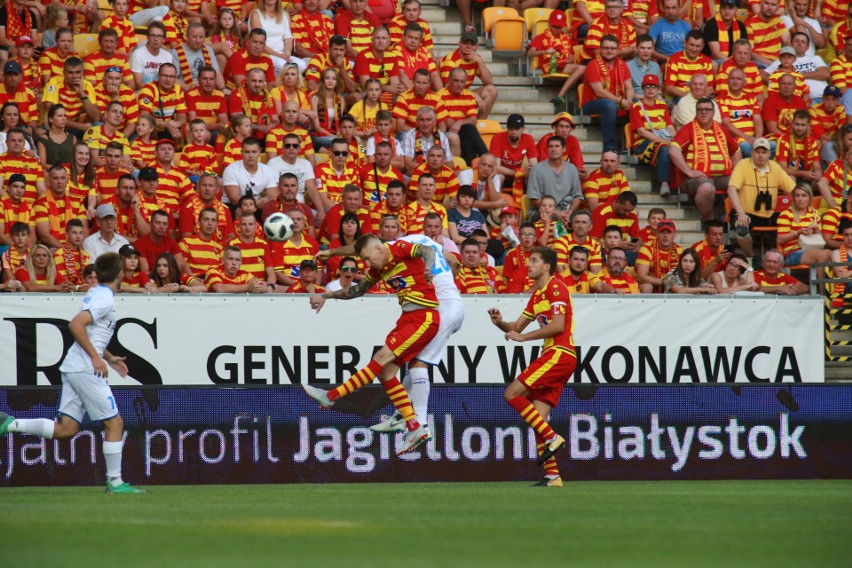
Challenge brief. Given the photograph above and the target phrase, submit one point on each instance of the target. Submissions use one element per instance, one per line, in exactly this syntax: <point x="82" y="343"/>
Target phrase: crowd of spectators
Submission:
<point x="188" y="123"/>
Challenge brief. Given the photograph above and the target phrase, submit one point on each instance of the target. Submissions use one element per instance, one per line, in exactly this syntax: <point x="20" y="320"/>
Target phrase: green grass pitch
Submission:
<point x="599" y="524"/>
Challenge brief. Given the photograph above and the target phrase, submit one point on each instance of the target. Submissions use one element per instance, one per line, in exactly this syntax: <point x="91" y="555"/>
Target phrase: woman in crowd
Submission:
<point x="271" y="17"/>
<point x="57" y="146"/>
<point x="801" y="220"/>
<point x="348" y="271"/>
<point x="292" y="88"/>
<point x="735" y="277"/>
<point x="81" y="178"/>
<point x="168" y="279"/>
<point x="328" y="106"/>
<point x="686" y="277"/>
<point x="347" y="234"/>
<point x="38" y="274"/>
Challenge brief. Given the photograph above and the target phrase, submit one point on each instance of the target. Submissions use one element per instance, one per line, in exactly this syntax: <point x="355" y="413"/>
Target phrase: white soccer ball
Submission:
<point x="278" y="227"/>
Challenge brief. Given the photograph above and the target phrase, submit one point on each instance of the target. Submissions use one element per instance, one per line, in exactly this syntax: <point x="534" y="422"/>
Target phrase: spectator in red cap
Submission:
<point x="653" y="131"/>
<point x="25" y="49"/>
<point x="563" y="125"/>
<point x="555" y="53"/>
<point x="16" y="20"/>
<point x="658" y="258"/>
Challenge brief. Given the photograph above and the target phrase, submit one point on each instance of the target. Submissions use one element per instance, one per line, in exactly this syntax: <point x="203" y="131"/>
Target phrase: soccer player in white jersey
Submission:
<point x="84" y="375"/>
<point x="416" y="379"/>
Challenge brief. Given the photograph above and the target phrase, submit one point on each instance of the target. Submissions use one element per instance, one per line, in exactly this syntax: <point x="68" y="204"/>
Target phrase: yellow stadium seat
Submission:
<point x="493" y="13"/>
<point x="533" y="15"/>
<point x="84" y="44"/>
<point x="539" y="77"/>
<point x="487" y="129"/>
<point x="105" y="7"/>
<point x="505" y="31"/>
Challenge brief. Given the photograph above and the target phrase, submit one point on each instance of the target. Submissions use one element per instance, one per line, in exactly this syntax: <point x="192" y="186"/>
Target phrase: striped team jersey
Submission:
<point x="374" y="183"/>
<point x="149" y="204"/>
<point x="312" y="30"/>
<point x="408" y="103"/>
<point x="13" y="259"/>
<point x="57" y="212"/>
<point x="706" y="253"/>
<point x="233" y="152"/>
<point x="546" y="303"/>
<point x="127" y="98"/>
<point x="299" y="288"/>
<point x="602" y="26"/>
<point x="174" y="187"/>
<point x="78" y="189"/>
<point x="319" y="63"/>
<point x="359" y="32"/>
<point x="841" y="72"/>
<point x="31" y="73"/>
<point x="802" y="88"/>
<point x="287" y="256"/>
<point x="453" y="60"/>
<point x="259" y="108"/>
<point x="137" y="279"/>
<point x="70" y="263"/>
<point x="459" y="106"/>
<point x="835" y="39"/>
<point x="603" y="216"/>
<point x="831" y="222"/>
<point x="579" y="285"/>
<point x="95" y="65"/>
<point x="275" y="140"/>
<point x="659" y="261"/>
<point x="145" y="152"/>
<point x="382" y="209"/>
<point x="191" y="209"/>
<point x="241" y="62"/>
<point x="368" y="64"/>
<point x="55" y="92"/>
<point x="201" y="255"/>
<point x="624" y="282"/>
<point x="561" y="43"/>
<point x="555" y="231"/>
<point x="658" y="113"/>
<point x="256" y="256"/>
<point x="708" y="151"/>
<point x="680" y="69"/>
<point x="106" y="183"/>
<point x="405" y="275"/>
<point x="176" y="25"/>
<point x="780" y="279"/>
<point x="29" y="167"/>
<point x="159" y="104"/>
<point x="216" y="275"/>
<point x="740" y="110"/>
<point x="765" y="36"/>
<point x="753" y="86"/>
<point x="25" y="99"/>
<point x="206" y="107"/>
<point x="329" y="181"/>
<point x="446" y="183"/>
<point x="834" y="176"/>
<point x="51" y="63"/>
<point x="198" y="159"/>
<point x="479" y="280"/>
<point x="127" y="41"/>
<point x="396" y="28"/>
<point x="97" y="139"/>
<point x="824" y="123"/>
<point x="411" y="61"/>
<point x="563" y="246"/>
<point x="416" y="215"/>
<point x="799" y="153"/>
<point x="787" y="223"/>
<point x="11" y="212"/>
<point x="605" y="188"/>
<point x="125" y="223"/>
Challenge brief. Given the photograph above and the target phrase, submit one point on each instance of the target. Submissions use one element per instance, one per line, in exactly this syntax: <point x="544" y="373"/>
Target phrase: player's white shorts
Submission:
<point x="84" y="393"/>
<point x="452" y="317"/>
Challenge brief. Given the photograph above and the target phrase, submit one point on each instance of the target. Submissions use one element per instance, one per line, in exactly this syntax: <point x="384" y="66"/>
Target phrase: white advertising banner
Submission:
<point x="277" y="340"/>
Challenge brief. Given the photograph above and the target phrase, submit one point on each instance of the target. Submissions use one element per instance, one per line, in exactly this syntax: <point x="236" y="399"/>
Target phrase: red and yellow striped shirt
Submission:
<point x="127" y="41"/>
<point x="56" y="92"/>
<point x="162" y="105"/>
<point x="605" y="188"/>
<point x="453" y="60"/>
<point x="458" y="106"/>
<point x="70" y="263"/>
<point x="374" y="183"/>
<point x="823" y="123"/>
<point x="25" y="99"/>
<point x="312" y="30"/>
<point x="11" y="212"/>
<point x="51" y="64"/>
<point x="740" y="110"/>
<point x="446" y="183"/>
<point x="753" y="86"/>
<point x="330" y="182"/>
<point x="841" y="72"/>
<point x="765" y="36"/>
<point x="174" y="187"/>
<point x="201" y="255"/>
<point x="479" y="280"/>
<point x="106" y="183"/>
<point x="287" y="256"/>
<point x="787" y="223"/>
<point x="680" y="69"/>
<point x="198" y="159"/>
<point x="799" y="153"/>
<point x="95" y="65"/>
<point x="256" y="256"/>
<point x="368" y="64"/>
<point x="29" y="167"/>
<point x="408" y="103"/>
<point x="206" y="107"/>
<point x="396" y="28"/>
<point x="416" y="215"/>
<point x="127" y="98"/>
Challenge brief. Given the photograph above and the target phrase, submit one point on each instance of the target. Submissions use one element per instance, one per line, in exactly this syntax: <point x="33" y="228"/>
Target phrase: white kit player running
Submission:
<point x="84" y="376"/>
<point x="416" y="379"/>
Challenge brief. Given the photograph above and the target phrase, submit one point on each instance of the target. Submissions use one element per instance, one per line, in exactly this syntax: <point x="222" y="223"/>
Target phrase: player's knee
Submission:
<point x="114" y="425"/>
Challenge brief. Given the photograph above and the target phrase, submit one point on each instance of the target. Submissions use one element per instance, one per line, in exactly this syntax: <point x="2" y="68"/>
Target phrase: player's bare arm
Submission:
<point x="428" y="255"/>
<point x="516" y="326"/>
<point x="357" y="290"/>
<point x="346" y="250"/>
<point x="553" y="328"/>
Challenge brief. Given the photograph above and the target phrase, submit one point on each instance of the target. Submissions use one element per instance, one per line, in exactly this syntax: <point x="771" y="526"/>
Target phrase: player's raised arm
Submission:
<point x="357" y="290"/>
<point x="346" y="250"/>
<point x="428" y="255"/>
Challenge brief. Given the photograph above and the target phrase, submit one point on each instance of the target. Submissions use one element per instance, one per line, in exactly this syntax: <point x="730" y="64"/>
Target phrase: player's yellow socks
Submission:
<point x="363" y="377"/>
<point x="399" y="398"/>
<point x="528" y="412"/>
<point x="550" y="467"/>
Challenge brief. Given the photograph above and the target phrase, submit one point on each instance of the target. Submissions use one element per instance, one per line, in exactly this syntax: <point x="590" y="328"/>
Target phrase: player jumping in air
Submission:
<point x="84" y="375"/>
<point x="407" y="269"/>
<point x="536" y="390"/>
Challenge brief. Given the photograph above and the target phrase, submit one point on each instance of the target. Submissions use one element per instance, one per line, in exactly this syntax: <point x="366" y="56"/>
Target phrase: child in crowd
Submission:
<point x="649" y="233"/>
<point x="364" y="111"/>
<point x="226" y="36"/>
<point x="56" y="17"/>
<point x="176" y="23"/>
<point x="384" y="133"/>
<point x="143" y="149"/>
<point x="90" y="276"/>
<point x="240" y="130"/>
<point x="30" y="70"/>
<point x="248" y="204"/>
<point x="463" y="219"/>
<point x="119" y="22"/>
<point x="16" y="255"/>
<point x="508" y="231"/>
<point x="346" y="130"/>
<point x="328" y="106"/>
<point x="549" y="227"/>
<point x="197" y="157"/>
<point x="134" y="280"/>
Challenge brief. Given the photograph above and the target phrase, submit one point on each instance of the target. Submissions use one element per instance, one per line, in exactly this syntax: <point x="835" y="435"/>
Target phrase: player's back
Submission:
<point x="442" y="274"/>
<point x="100" y="303"/>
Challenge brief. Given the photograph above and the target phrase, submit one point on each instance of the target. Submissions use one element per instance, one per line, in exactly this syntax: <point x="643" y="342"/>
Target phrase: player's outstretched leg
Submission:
<point x="362" y="378"/>
<point x="41" y="427"/>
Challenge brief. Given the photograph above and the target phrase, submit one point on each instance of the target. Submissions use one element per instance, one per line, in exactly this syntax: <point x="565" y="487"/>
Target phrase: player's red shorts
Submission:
<point x="414" y="330"/>
<point x="547" y="375"/>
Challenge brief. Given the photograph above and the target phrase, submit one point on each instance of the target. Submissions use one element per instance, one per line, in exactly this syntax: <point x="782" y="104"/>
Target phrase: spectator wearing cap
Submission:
<point x="468" y="59"/>
<point x="722" y="31"/>
<point x="780" y="106"/>
<point x="149" y="202"/>
<point x="685" y="64"/>
<point x="607" y="89"/>
<point x="105" y="239"/>
<point x="16" y="161"/>
<point x="16" y="20"/>
<point x="611" y="22"/>
<point x="555" y="52"/>
<point x="307" y="281"/>
<point x="741" y="114"/>
<point x="784" y="65"/>
<point x="643" y="64"/>
<point x="557" y="178"/>
<point x="767" y="34"/>
<point x="55" y="208"/>
<point x="840" y="33"/>
<point x="827" y="116"/>
<point x="658" y="258"/>
<point x="516" y="152"/>
<point x="135" y="280"/>
<point x="11" y="90"/>
<point x="174" y="186"/>
<point x="653" y="131"/>
<point x="15" y="209"/>
<point x="704" y="154"/>
<point x="841" y="74"/>
<point x="74" y="93"/>
<point x="165" y="102"/>
<point x="506" y="233"/>
<point x="797" y="20"/>
<point x="107" y="57"/>
<point x="753" y="190"/>
<point x="460" y="104"/>
<point x="563" y="126"/>
<point x="605" y="183"/>
<point x="31" y="72"/>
